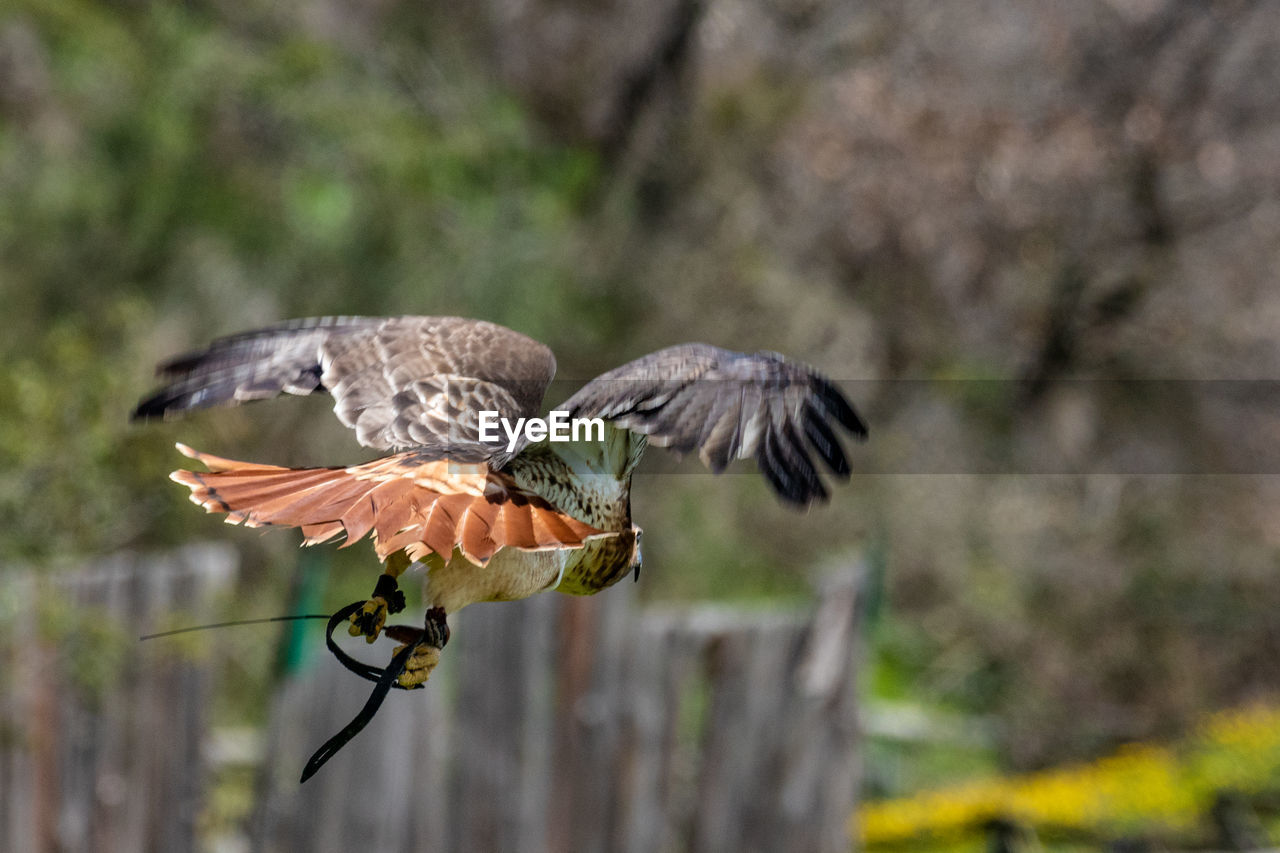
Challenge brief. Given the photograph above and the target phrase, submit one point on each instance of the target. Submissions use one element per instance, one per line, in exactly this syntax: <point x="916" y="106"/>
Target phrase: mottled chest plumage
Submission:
<point x="601" y="563"/>
<point x="578" y="479"/>
<point x="592" y="483"/>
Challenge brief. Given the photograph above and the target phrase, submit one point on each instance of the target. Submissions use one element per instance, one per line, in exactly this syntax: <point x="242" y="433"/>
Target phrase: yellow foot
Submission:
<point x="369" y="619"/>
<point x="418" y="668"/>
<point x="427" y="642"/>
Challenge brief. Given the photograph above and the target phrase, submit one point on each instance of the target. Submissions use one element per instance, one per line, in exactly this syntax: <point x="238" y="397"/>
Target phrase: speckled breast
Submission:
<point x="600" y="563"/>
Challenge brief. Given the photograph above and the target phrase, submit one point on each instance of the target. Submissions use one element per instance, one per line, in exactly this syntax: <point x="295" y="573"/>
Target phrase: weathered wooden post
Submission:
<point x="100" y="736"/>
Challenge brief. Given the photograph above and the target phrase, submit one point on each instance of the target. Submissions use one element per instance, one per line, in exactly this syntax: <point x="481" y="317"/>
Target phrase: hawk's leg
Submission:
<point x="387" y="599"/>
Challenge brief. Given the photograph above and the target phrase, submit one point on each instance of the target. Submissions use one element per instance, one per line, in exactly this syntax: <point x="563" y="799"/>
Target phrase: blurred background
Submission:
<point x="1037" y="243"/>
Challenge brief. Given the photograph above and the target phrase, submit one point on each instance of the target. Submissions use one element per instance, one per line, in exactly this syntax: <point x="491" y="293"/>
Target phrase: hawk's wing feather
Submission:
<point x="281" y="359"/>
<point x="728" y="405"/>
<point x="405" y="501"/>
<point x="399" y="382"/>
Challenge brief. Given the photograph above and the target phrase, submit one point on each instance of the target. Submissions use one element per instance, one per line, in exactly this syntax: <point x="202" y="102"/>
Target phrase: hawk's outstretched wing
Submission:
<point x="400" y="382"/>
<point x="728" y="405"/>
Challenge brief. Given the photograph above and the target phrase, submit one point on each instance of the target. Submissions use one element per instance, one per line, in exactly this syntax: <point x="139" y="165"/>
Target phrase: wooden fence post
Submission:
<point x="100" y="736"/>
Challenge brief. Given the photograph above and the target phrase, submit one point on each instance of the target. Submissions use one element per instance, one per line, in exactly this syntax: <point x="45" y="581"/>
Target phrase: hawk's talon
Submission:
<point x="436" y="630"/>
<point x="427" y="642"/>
<point x="417" y="669"/>
<point x="367" y="622"/>
<point x="387" y="599"/>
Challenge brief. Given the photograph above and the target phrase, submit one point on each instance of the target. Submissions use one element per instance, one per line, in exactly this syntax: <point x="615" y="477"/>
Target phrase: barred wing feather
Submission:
<point x="728" y="405"/>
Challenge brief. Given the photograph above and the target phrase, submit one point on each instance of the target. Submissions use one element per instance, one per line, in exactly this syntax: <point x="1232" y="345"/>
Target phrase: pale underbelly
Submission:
<point x="512" y="574"/>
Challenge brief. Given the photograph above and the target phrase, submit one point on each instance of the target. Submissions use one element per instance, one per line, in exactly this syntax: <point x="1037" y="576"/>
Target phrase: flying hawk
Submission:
<point x="494" y="516"/>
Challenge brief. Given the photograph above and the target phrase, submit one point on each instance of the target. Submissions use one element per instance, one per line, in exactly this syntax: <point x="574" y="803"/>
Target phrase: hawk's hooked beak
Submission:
<point x="637" y="559"/>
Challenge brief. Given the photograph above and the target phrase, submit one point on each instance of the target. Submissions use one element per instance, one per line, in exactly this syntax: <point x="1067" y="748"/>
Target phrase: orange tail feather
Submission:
<point x="421" y="507"/>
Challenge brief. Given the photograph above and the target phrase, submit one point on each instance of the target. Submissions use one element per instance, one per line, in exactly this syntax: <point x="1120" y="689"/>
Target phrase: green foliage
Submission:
<point x="74" y="477"/>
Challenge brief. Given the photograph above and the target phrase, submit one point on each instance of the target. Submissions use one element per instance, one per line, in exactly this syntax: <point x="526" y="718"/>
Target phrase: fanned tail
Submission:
<point x="420" y="507"/>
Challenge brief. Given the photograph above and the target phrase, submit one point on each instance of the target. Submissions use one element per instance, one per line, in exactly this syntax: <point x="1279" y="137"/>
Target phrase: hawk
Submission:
<point x="493" y="516"/>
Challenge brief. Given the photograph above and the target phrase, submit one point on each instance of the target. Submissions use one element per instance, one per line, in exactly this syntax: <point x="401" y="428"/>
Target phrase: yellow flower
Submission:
<point x="1140" y="786"/>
